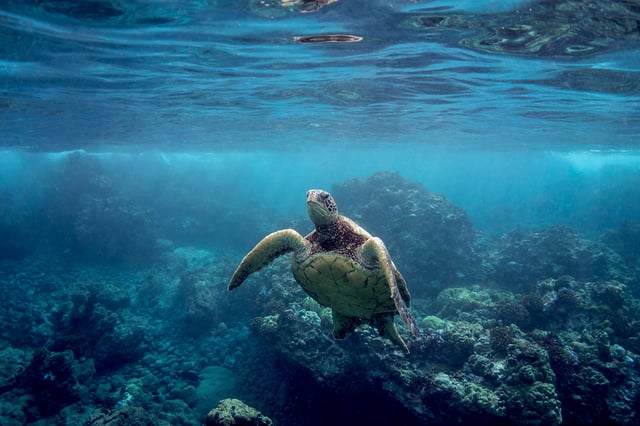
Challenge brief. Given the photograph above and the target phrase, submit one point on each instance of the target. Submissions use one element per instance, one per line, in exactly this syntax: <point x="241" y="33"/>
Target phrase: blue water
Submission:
<point x="207" y="75"/>
<point x="145" y="147"/>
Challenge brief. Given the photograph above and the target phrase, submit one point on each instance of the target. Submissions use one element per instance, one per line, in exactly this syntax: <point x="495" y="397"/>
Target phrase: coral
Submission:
<point x="536" y="404"/>
<point x="611" y="294"/>
<point x="509" y="312"/>
<point x="265" y="326"/>
<point x="535" y="309"/>
<point x="563" y="359"/>
<point x="304" y="338"/>
<point x="501" y="338"/>
<point x="233" y="412"/>
<point x="432" y="322"/>
<point x="546" y="331"/>
<point x="458" y="341"/>
<point x="475" y="400"/>
<point x="472" y="304"/>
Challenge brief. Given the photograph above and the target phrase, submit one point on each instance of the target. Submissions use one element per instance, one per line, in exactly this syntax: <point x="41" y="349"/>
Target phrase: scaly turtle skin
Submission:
<point x="341" y="266"/>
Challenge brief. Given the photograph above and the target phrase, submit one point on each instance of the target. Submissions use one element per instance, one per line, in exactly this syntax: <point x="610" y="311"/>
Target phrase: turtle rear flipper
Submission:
<point x="343" y="325"/>
<point x="271" y="247"/>
<point x="387" y="328"/>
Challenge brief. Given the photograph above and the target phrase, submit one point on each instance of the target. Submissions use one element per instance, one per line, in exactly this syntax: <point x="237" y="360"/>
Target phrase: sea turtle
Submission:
<point x="341" y="266"/>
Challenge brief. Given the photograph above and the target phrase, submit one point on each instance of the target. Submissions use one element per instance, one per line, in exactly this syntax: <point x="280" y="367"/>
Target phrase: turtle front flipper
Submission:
<point x="271" y="247"/>
<point x="375" y="252"/>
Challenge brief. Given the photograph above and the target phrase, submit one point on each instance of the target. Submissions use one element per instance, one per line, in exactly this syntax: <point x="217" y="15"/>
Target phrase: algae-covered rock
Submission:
<point x="233" y="412"/>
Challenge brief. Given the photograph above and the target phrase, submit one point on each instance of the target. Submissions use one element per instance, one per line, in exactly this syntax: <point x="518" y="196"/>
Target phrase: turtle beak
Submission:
<point x="313" y="195"/>
<point x="314" y="206"/>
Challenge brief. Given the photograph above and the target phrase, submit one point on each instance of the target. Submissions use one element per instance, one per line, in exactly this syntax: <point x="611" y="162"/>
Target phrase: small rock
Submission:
<point x="233" y="412"/>
<point x="189" y="395"/>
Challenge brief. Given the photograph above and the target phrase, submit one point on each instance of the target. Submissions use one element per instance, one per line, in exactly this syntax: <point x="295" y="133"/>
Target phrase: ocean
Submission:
<point x="487" y="151"/>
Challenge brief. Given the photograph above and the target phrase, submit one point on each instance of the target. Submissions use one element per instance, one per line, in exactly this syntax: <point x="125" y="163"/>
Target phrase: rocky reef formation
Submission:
<point x="535" y="327"/>
<point x="482" y="359"/>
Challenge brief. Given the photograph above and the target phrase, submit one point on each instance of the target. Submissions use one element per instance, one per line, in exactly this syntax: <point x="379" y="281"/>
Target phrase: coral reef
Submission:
<point x="532" y="328"/>
<point x="483" y="370"/>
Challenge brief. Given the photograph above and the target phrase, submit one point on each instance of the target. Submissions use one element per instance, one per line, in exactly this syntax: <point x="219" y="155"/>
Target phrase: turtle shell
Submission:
<point x="344" y="285"/>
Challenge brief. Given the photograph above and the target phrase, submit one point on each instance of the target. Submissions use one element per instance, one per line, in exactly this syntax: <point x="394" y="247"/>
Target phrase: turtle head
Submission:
<point x="321" y="207"/>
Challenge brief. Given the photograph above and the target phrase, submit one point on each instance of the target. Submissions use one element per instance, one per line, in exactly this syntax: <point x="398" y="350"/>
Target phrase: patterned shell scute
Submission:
<point x="344" y="285"/>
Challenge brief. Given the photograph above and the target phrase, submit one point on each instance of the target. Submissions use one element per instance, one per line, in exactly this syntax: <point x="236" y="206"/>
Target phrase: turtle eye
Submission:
<point x="329" y="203"/>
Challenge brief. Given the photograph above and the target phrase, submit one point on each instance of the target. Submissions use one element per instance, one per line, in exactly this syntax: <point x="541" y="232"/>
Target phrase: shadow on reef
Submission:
<point x="537" y="327"/>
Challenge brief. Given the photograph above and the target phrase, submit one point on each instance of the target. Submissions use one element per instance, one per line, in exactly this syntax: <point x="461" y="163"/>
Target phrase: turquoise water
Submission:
<point x="147" y="146"/>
